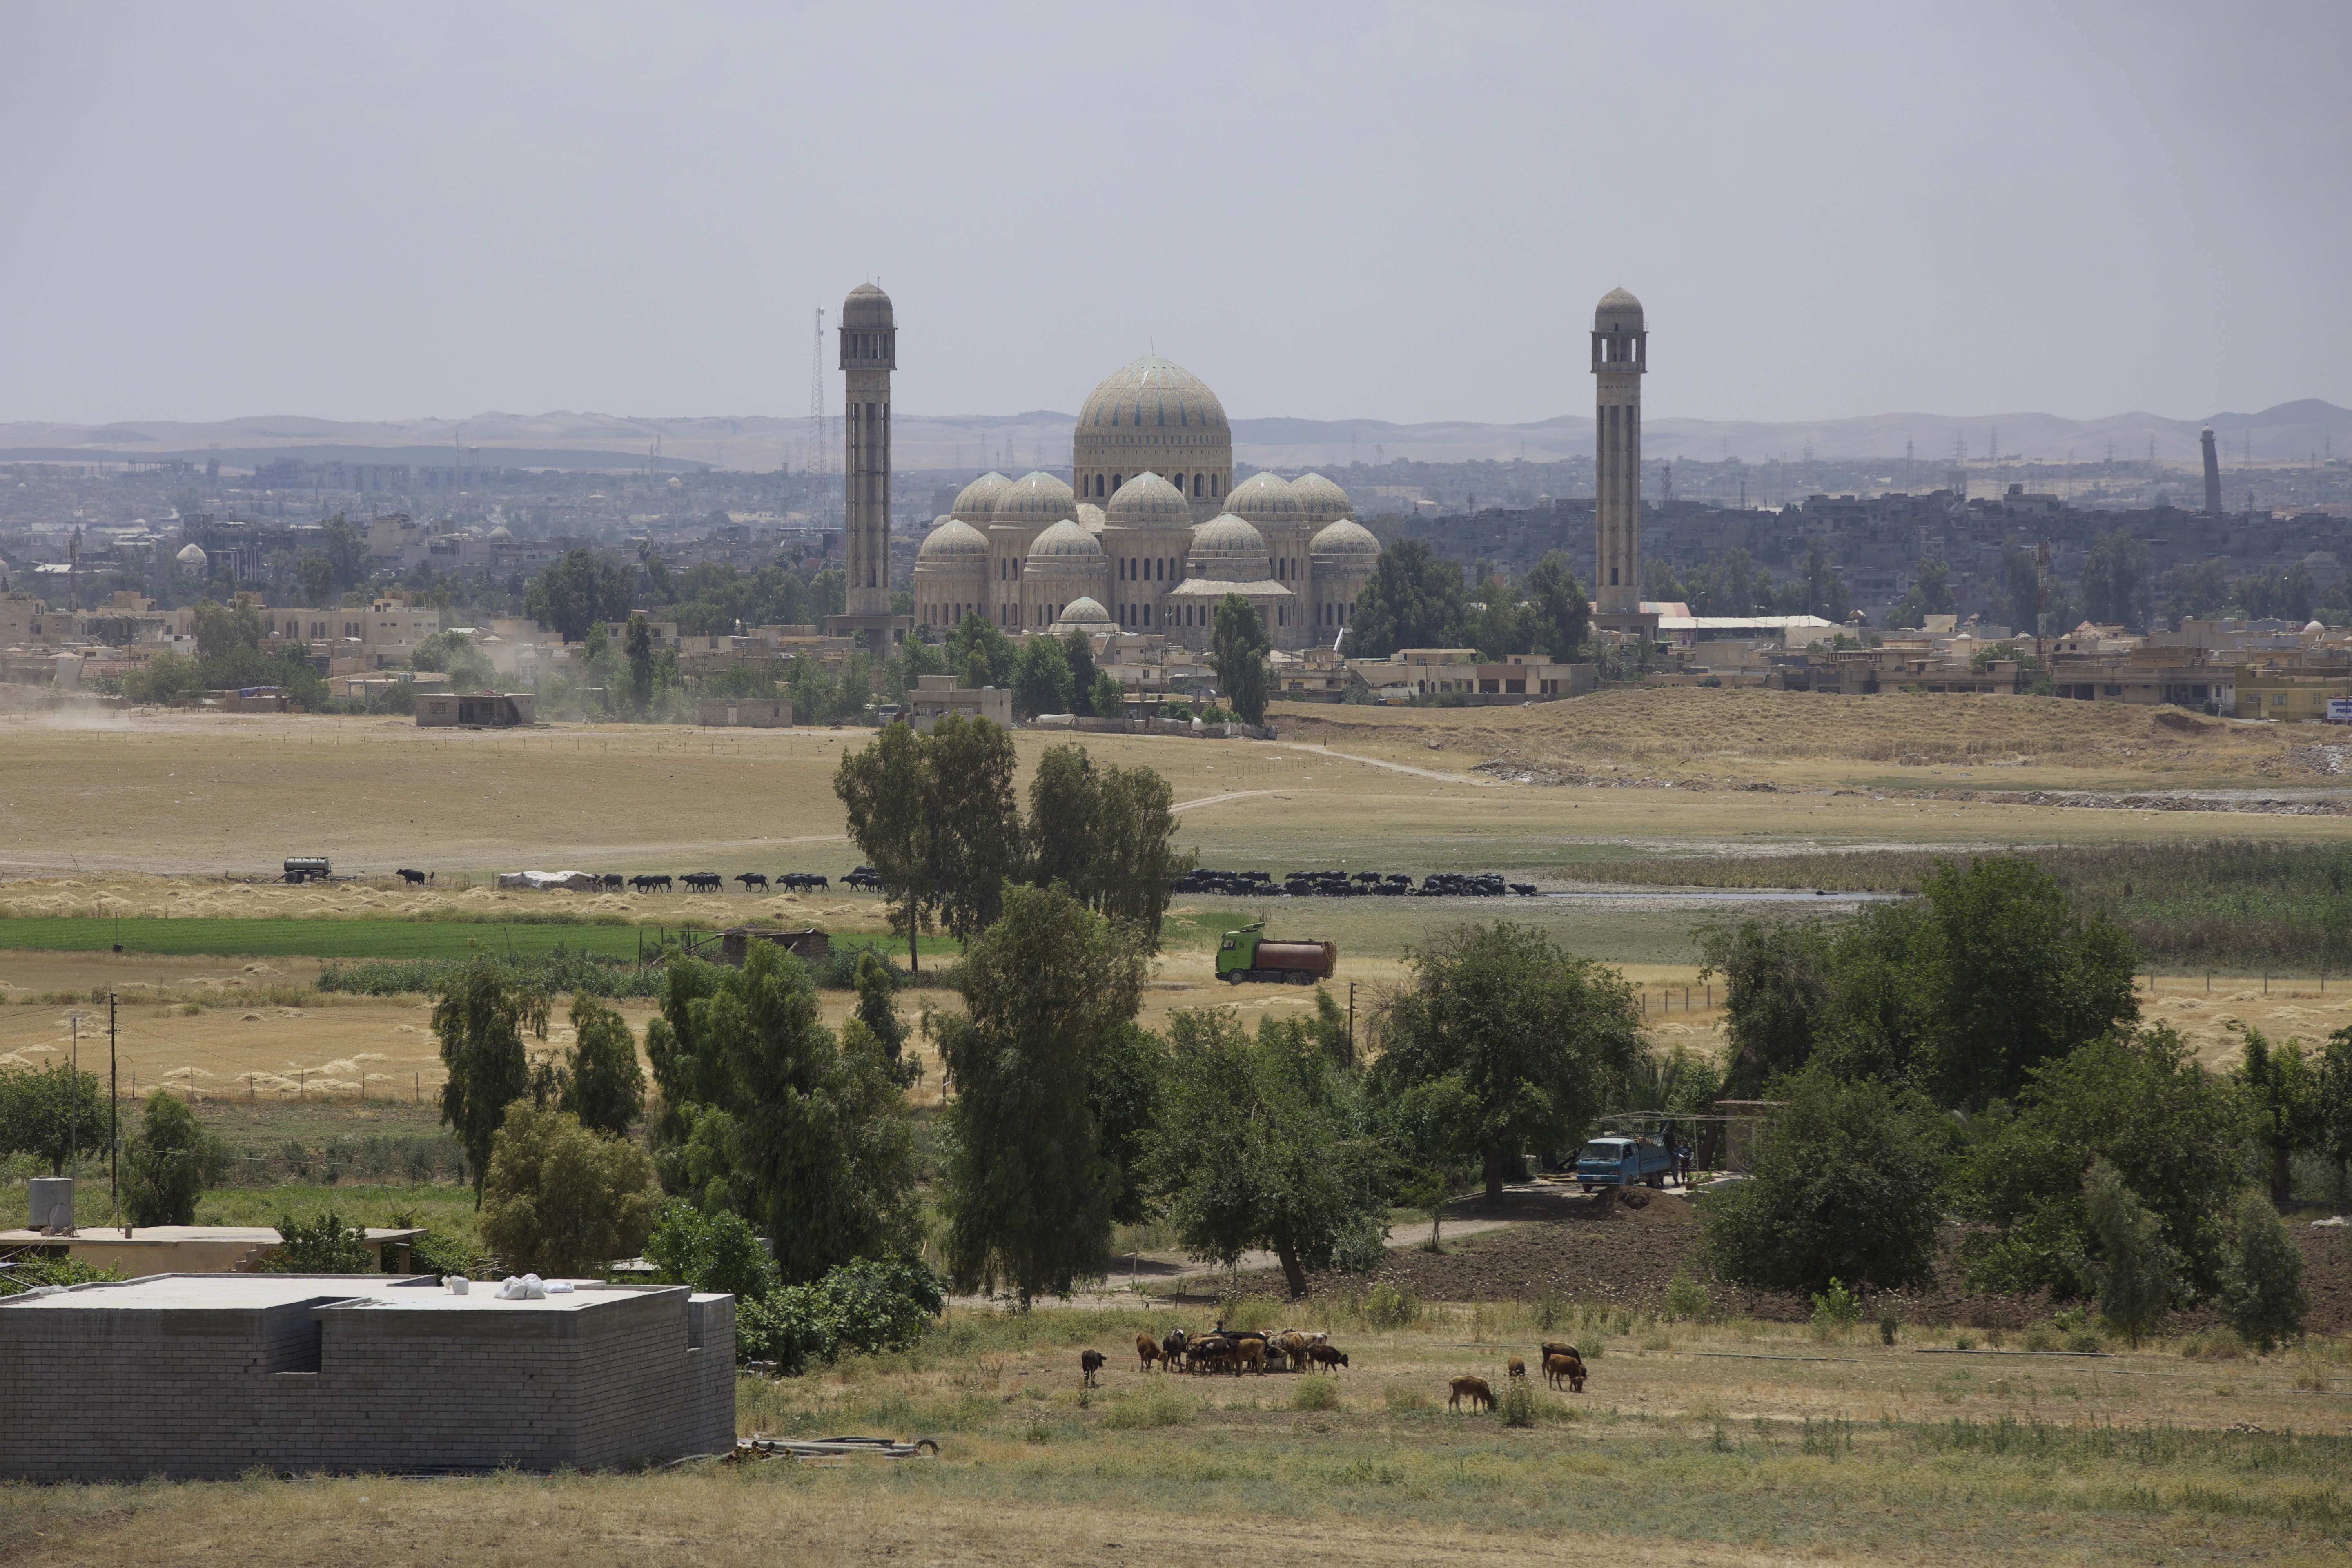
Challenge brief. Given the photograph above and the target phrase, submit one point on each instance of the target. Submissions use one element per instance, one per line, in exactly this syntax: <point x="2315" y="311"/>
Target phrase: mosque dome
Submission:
<point x="191" y="557"/>
<point x="1266" y="500"/>
<point x="1033" y="500"/>
<point x="1226" y="549"/>
<point x="2313" y="629"/>
<point x="1084" y="614"/>
<point x="502" y="534"/>
<point x="1155" y="394"/>
<point x="867" y="306"/>
<point x="1066" y="541"/>
<point x="976" y="502"/>
<point x="1322" y="498"/>
<point x="949" y="539"/>
<point x="1617" y="312"/>
<point x="1148" y="500"/>
<point x="1345" y="537"/>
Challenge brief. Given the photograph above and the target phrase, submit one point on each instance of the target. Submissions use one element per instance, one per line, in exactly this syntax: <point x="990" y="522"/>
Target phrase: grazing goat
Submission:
<point x="414" y="879"/>
<point x="1564" y="1371"/>
<point x="1091" y="1362"/>
<point x="1473" y="1389"/>
<point x="1326" y="1357"/>
<point x="1518" y="1367"/>
<point x="1148" y="1348"/>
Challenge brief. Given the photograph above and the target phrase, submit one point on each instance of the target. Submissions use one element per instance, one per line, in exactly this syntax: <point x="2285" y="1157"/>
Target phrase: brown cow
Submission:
<point x="1473" y="1389"/>
<point x="1294" y="1346"/>
<point x="1561" y="1347"/>
<point x="1147" y="1348"/>
<point x="1517" y="1368"/>
<point x="1564" y="1370"/>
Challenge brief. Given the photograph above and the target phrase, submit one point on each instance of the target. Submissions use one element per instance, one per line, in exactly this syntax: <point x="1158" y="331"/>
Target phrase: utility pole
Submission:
<point x="113" y="1118"/>
<point x="73" y="1111"/>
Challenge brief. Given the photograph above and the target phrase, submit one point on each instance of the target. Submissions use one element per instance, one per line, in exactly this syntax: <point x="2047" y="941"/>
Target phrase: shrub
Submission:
<point x="170" y="1160"/>
<point x="1391" y="1306"/>
<point x="1163" y="1404"/>
<point x="1835" y="1310"/>
<point x="2136" y="1278"/>
<point x="36" y="1273"/>
<point x="1403" y="1397"/>
<point x="1551" y="1310"/>
<point x="1316" y="1393"/>
<point x="714" y="1253"/>
<point x="1889" y="1323"/>
<point x="1516" y="1403"/>
<point x="1686" y="1300"/>
<point x="862" y="1305"/>
<point x="2262" y="1293"/>
<point x="321" y="1245"/>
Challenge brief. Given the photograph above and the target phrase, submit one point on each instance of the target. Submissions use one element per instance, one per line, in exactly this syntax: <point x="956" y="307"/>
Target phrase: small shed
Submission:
<point x="750" y="712"/>
<point x="809" y="944"/>
<point x="477" y="709"/>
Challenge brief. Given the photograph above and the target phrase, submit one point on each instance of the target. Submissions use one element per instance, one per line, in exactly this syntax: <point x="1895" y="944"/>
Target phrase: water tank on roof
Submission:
<point x="53" y="1204"/>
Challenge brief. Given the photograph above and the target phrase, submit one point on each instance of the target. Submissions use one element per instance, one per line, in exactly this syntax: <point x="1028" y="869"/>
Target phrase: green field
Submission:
<point x="318" y="937"/>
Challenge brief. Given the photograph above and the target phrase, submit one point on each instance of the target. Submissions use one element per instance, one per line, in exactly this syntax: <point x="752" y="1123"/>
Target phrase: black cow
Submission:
<point x="613" y="880"/>
<point x="648" y="884"/>
<point x="703" y="881"/>
<point x="751" y="880"/>
<point x="1090" y="1362"/>
<point x="414" y="879"/>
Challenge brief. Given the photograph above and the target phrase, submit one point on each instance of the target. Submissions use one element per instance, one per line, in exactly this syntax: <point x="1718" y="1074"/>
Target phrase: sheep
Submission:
<point x="1328" y="1358"/>
<point x="1147" y="1348"/>
<point x="1091" y="1362"/>
<point x="1473" y="1389"/>
<point x="1564" y="1370"/>
<point x="1518" y="1367"/>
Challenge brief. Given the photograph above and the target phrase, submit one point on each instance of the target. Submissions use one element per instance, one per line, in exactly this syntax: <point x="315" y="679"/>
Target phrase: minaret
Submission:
<point x="2212" y="474"/>
<point x="1619" y="357"/>
<point x="869" y="352"/>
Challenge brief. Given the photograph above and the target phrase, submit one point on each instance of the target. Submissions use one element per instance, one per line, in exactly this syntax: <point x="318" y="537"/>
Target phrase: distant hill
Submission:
<point x="1019" y="442"/>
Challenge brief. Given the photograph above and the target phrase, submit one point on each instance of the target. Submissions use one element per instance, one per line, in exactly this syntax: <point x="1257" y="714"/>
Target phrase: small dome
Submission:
<point x="190" y="555"/>
<point x="1066" y="540"/>
<point x="503" y="534"/>
<point x="2313" y="629"/>
<point x="1033" y="500"/>
<point x="976" y="502"/>
<point x="1148" y="500"/>
<point x="1265" y="499"/>
<point x="951" y="538"/>
<point x="1154" y="393"/>
<point x="1084" y="612"/>
<point x="1322" y="498"/>
<point x="1227" y="538"/>
<point x="1345" y="537"/>
<point x="1617" y="312"/>
<point x="867" y="306"/>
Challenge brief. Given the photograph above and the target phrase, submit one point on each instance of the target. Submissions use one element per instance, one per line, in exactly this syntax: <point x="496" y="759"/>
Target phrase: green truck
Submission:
<point x="1248" y="954"/>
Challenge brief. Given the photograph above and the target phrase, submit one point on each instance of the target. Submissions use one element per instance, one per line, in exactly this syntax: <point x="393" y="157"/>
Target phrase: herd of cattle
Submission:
<point x="1233" y="884"/>
<point x="1362" y="885"/>
<point x="1295" y="1350"/>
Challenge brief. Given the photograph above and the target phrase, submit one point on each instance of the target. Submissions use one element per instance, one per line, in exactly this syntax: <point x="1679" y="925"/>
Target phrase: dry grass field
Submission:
<point x="1735" y="1442"/>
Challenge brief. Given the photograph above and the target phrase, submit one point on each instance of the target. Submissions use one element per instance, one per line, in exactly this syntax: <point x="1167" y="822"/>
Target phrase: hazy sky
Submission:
<point x="1398" y="212"/>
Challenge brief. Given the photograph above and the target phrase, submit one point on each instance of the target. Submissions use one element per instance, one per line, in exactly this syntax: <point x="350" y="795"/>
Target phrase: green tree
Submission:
<point x="1559" y="611"/>
<point x="815" y="1144"/>
<point x="2115" y="587"/>
<point x="2021" y="580"/>
<point x="222" y="629"/>
<point x="167" y="1164"/>
<point x="2283" y="1090"/>
<point x="454" y="655"/>
<point x="1777" y="986"/>
<point x="1844" y="1188"/>
<point x="1078" y="654"/>
<point x="2195" y="589"/>
<point x="2137" y="1272"/>
<point x="603" y="1084"/>
<point x="878" y="1004"/>
<point x="321" y="1245"/>
<point x="2174" y="1132"/>
<point x="2336" y="1101"/>
<point x="1237" y="648"/>
<point x="1531" y="1033"/>
<point x="2017" y="976"/>
<point x="315" y="577"/>
<point x="1028" y="1188"/>
<point x="637" y="646"/>
<point x="715" y="1253"/>
<point x="578" y="591"/>
<point x="1041" y="681"/>
<point x="1136" y="860"/>
<point x="978" y="636"/>
<point x="1413" y="599"/>
<point x="1826" y="595"/>
<point x="51" y="1111"/>
<point x="346" y="553"/>
<point x="480" y="1023"/>
<point x="884" y="789"/>
<point x="1255" y="1147"/>
<point x="561" y="1200"/>
<point x="1109" y="697"/>
<point x="2262" y="1291"/>
<point x="973" y="819"/>
<point x="1064" y="798"/>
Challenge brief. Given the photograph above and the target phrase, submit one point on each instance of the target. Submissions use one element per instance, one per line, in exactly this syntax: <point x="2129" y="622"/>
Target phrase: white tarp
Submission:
<point x="575" y="881"/>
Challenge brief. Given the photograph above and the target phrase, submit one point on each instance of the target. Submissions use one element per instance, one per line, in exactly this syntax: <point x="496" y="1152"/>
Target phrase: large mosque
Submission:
<point x="1152" y="533"/>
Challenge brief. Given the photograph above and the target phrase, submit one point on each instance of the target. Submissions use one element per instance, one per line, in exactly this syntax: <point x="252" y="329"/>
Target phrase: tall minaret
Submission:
<point x="2212" y="474"/>
<point x="1619" y="356"/>
<point x="869" y="352"/>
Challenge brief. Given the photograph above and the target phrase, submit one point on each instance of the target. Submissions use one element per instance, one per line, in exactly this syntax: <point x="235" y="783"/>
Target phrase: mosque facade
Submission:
<point x="1151" y="534"/>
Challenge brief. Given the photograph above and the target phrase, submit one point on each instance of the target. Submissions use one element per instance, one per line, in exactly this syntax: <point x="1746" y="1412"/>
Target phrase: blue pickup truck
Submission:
<point x="1623" y="1163"/>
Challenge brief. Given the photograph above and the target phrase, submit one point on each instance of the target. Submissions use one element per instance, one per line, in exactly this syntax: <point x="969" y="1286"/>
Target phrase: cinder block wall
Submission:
<point x="211" y="1393"/>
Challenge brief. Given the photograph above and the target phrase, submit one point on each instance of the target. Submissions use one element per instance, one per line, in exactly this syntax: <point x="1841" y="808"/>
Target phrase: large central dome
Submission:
<point x="1154" y="417"/>
<point x="1154" y="393"/>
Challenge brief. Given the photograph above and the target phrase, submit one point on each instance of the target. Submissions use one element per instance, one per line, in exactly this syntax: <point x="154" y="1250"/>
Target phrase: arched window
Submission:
<point x="1116" y="480"/>
<point x="1213" y="484"/>
<point x="1196" y="484"/>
